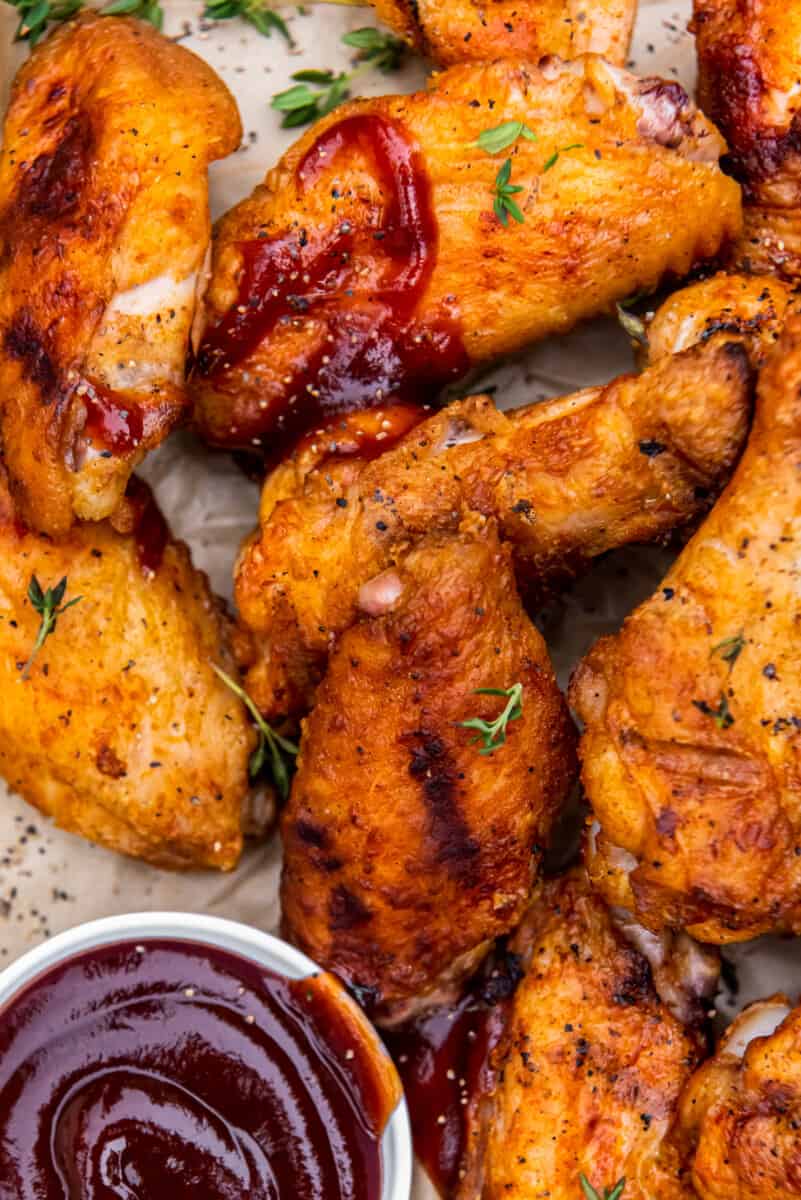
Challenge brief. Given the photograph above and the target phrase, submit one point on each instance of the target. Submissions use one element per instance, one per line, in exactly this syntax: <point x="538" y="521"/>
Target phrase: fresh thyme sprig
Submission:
<point x="553" y="159"/>
<point x="503" y="190"/>
<point x="493" y="141"/>
<point x="730" y="649"/>
<point x="493" y="733"/>
<point x="36" y="15"/>
<point x="592" y="1193"/>
<point x="270" y="741"/>
<point x="49" y="607"/>
<point x="259" y="14"/>
<point x="146" y="10"/>
<point x="301" y="105"/>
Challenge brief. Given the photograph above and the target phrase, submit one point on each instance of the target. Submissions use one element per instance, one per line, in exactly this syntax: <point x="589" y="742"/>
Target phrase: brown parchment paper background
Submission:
<point x="50" y="880"/>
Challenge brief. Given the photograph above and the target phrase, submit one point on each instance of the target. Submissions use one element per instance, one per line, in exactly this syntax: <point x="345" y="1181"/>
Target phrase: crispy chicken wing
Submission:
<point x="742" y="1110"/>
<point x="104" y="228"/>
<point x="477" y="31"/>
<point x="119" y="728"/>
<point x="692" y="750"/>
<point x="749" y="54"/>
<point x="407" y="849"/>
<point x="566" y="479"/>
<point x="370" y="265"/>
<point x="753" y="308"/>
<point x="588" y="1072"/>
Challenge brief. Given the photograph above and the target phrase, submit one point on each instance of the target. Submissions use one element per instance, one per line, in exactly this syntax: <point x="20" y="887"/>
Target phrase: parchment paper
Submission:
<point x="50" y="880"/>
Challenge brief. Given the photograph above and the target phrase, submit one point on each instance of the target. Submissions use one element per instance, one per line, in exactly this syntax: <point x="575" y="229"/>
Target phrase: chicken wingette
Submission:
<point x="741" y="1112"/>
<point x="566" y="480"/>
<point x="116" y="725"/>
<point x="385" y="255"/>
<point x="692" y="745"/>
<point x="749" y="59"/>
<point x="104" y="229"/>
<point x="586" y="1078"/>
<point x="411" y="841"/>
<point x="475" y="31"/>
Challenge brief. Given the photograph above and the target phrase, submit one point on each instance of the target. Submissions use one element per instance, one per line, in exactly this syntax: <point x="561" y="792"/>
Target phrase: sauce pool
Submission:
<point x="146" y="1071"/>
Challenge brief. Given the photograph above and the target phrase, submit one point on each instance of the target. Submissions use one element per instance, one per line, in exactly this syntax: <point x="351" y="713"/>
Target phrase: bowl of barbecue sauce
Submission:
<point x="158" y="1056"/>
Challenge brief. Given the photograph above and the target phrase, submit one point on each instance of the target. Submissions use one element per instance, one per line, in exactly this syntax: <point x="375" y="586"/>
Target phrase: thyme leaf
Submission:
<point x="493" y="733"/>
<point x="49" y="607"/>
<point x="270" y="741"/>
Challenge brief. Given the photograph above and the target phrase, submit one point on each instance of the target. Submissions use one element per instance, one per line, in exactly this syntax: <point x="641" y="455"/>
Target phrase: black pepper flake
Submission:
<point x="652" y="449"/>
<point x="341" y="502"/>
<point x="668" y="593"/>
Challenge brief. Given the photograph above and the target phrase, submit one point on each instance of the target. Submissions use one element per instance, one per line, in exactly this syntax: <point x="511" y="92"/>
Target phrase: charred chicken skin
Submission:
<point x="748" y="57"/>
<point x="378" y="263"/>
<point x="693" y="711"/>
<point x="587" y="1075"/>
<point x="474" y="31"/>
<point x="741" y="1112"/>
<point x="566" y="480"/>
<point x="104" y="229"/>
<point x="406" y="849"/>
<point x="118" y="727"/>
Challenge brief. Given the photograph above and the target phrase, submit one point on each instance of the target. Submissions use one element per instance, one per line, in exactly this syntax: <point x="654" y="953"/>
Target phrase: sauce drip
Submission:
<point x="146" y="1072"/>
<point x="150" y="530"/>
<point x="370" y="348"/>
<point x="444" y="1060"/>
<point x="112" y="422"/>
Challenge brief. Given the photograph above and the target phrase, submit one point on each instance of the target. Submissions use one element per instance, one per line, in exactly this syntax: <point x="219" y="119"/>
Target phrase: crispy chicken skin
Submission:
<point x="751" y="308"/>
<point x="382" y="271"/>
<point x="122" y="732"/>
<point x="741" y="1112"/>
<point x="589" y="1069"/>
<point x="406" y="850"/>
<point x="692" y="750"/>
<point x="477" y="31"/>
<point x="104" y="228"/>
<point x="748" y="58"/>
<point x="566" y="479"/>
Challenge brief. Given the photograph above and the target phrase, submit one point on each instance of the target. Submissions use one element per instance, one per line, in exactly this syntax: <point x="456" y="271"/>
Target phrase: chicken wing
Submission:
<point x="407" y="847"/>
<point x="117" y="726"/>
<point x="751" y="308"/>
<point x="104" y="228"/>
<point x="742" y="1110"/>
<point x="474" y="31"/>
<point x="566" y="479"/>
<point x="379" y="260"/>
<point x="749" y="54"/>
<point x="692" y="750"/>
<point x="588" y="1072"/>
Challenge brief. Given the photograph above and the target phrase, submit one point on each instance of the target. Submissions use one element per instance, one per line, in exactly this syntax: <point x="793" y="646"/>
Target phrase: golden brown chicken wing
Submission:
<point x="588" y="1072"/>
<point x="566" y="479"/>
<point x="379" y="260"/>
<point x="741" y="1111"/>
<point x="751" y="308"/>
<point x="408" y="849"/>
<point x="692" y="750"/>
<point x="104" y="227"/>
<point x="477" y="31"/>
<point x="749" y="54"/>
<point x="118" y="727"/>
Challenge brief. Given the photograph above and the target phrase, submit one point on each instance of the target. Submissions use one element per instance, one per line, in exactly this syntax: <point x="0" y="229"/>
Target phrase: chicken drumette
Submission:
<point x="566" y="480"/>
<point x="409" y="847"/>
<point x="474" y="31"/>
<point x="117" y="726"/>
<point x="104" y="228"/>
<point x="587" y="1075"/>
<point x="692" y="750"/>
<point x="380" y="259"/>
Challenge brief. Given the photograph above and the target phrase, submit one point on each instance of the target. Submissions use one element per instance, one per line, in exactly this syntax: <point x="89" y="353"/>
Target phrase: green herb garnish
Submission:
<point x="493" y="733"/>
<point x="554" y="158"/>
<point x="301" y="105"/>
<point x="270" y="741"/>
<point x="730" y="649"/>
<point x="503" y="203"/>
<point x="608" y="1193"/>
<point x="49" y="607"/>
<point x="493" y="141"/>
<point x="36" y="15"/>
<point x="147" y="10"/>
<point x="722" y="714"/>
<point x="256" y="12"/>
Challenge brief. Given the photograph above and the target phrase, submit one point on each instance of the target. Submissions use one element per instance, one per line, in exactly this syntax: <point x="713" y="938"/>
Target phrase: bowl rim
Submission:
<point x="265" y="949"/>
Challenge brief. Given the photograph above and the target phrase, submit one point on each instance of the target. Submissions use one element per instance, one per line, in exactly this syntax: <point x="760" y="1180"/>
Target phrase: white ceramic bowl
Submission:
<point x="252" y="944"/>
